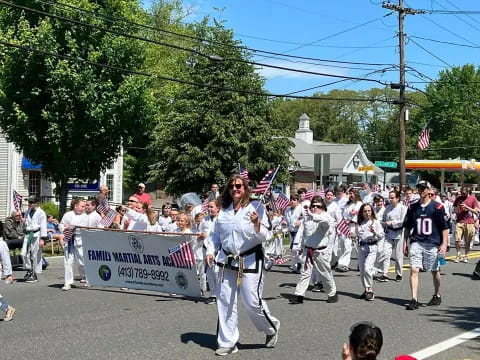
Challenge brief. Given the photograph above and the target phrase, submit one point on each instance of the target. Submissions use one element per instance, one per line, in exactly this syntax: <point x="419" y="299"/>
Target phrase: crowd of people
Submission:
<point x="238" y="239"/>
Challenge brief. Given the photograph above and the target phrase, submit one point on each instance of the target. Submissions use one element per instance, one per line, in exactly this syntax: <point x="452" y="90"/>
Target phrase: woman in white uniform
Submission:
<point x="238" y="235"/>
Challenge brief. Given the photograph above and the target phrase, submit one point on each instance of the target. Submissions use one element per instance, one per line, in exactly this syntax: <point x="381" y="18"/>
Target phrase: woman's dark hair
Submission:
<point x="366" y="341"/>
<point x="319" y="200"/>
<point x="360" y="217"/>
<point x="397" y="193"/>
<point x="330" y="191"/>
<point x="227" y="198"/>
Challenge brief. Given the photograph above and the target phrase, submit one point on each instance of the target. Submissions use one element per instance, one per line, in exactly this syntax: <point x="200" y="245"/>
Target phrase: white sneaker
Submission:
<point x="222" y="351"/>
<point x="66" y="287"/>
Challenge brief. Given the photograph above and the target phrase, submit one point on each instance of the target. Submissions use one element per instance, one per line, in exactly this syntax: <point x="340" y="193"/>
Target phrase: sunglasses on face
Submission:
<point x="315" y="206"/>
<point x="167" y="207"/>
<point x="236" y="186"/>
<point x="134" y="201"/>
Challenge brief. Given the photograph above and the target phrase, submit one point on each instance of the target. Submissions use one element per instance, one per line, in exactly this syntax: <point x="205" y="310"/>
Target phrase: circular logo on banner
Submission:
<point x="181" y="280"/>
<point x="104" y="273"/>
<point x="135" y="243"/>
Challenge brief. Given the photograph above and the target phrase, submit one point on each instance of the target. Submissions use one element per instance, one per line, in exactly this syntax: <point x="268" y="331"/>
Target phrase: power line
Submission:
<point x="211" y="57"/>
<point x="444" y="42"/>
<point x="429" y="52"/>
<point x="185" y="82"/>
<point x="199" y="39"/>
<point x="458" y="17"/>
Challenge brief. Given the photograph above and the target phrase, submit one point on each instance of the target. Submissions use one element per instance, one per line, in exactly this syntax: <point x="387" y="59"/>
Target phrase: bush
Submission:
<point x="50" y="209"/>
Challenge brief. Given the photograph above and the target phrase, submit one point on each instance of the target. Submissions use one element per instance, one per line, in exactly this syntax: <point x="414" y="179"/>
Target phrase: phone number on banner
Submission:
<point x="142" y="273"/>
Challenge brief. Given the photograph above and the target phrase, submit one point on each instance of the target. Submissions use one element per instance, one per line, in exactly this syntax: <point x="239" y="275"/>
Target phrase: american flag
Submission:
<point x="181" y="255"/>
<point x="424" y="138"/>
<point x="108" y="218"/>
<point x="68" y="238"/>
<point x="103" y="207"/>
<point x="265" y="182"/>
<point x="309" y="194"/>
<point x="343" y="228"/>
<point x="17" y="201"/>
<point x="406" y="202"/>
<point x="281" y="202"/>
<point x="244" y="174"/>
<point x="204" y="208"/>
<point x="322" y="193"/>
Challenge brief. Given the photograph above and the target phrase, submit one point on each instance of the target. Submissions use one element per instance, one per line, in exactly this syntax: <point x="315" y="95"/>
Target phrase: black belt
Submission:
<point x="257" y="250"/>
<point x="32" y="231"/>
<point x="319" y="248"/>
<point x="363" y="243"/>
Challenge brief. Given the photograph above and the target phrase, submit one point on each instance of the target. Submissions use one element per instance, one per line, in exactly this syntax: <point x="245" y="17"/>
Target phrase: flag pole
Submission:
<point x="260" y="199"/>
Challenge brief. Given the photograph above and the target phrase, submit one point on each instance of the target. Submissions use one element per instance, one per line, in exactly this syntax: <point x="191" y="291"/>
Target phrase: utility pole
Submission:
<point x="402" y="11"/>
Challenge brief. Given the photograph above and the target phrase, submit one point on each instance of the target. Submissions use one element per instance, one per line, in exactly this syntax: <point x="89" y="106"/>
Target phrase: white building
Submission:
<point x="19" y="174"/>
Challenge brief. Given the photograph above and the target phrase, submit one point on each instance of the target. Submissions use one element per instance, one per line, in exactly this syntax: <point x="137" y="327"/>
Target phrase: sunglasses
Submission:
<point x="129" y="200"/>
<point x="236" y="186"/>
<point x="167" y="207"/>
<point x="316" y="206"/>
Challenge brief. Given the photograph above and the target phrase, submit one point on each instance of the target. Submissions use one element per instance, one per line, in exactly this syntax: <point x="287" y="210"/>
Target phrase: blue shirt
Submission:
<point x="427" y="222"/>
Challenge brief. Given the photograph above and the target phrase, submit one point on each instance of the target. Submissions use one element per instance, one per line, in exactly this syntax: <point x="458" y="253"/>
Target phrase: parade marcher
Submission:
<point x="378" y="203"/>
<point x="448" y="205"/>
<point x="393" y="219"/>
<point x="6" y="263"/>
<point x="102" y="199"/>
<point x="143" y="196"/>
<point x="292" y="215"/>
<point x="350" y="213"/>
<point x="8" y="309"/>
<point x="368" y="232"/>
<point x="238" y="234"/>
<point x="364" y="343"/>
<point x="205" y="228"/>
<point x="428" y="239"/>
<point x="465" y="206"/>
<point x="174" y="213"/>
<point x="152" y="225"/>
<point x="164" y="220"/>
<point x="36" y="234"/>
<point x="199" y="252"/>
<point x="91" y="211"/>
<point x="72" y="242"/>
<point x="315" y="235"/>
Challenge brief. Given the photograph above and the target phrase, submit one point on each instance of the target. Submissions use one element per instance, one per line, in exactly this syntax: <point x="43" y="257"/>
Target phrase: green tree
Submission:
<point x="67" y="115"/>
<point x="208" y="130"/>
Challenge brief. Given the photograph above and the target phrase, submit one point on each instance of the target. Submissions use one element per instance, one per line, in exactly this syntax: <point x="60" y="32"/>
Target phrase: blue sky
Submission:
<point x="348" y="30"/>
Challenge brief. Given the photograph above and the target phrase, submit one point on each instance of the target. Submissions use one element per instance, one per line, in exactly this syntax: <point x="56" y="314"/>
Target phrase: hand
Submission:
<point x="254" y="218"/>
<point x="209" y="259"/>
<point x="405" y="249"/>
<point x="372" y="229"/>
<point x="443" y="249"/>
<point x="346" y="352"/>
<point x="41" y="243"/>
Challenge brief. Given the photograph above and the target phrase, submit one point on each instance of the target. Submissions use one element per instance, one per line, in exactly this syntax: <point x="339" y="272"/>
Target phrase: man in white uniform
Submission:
<point x="36" y="225"/>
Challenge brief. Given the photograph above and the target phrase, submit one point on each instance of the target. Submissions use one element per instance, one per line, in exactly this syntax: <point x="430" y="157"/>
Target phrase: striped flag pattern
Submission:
<point x="107" y="220"/>
<point x="343" y="228"/>
<point x="17" y="201"/>
<point x="103" y="208"/>
<point x="322" y="193"/>
<point x="281" y="202"/>
<point x="265" y="183"/>
<point x="309" y="194"/>
<point x="204" y="208"/>
<point x="244" y="174"/>
<point x="182" y="256"/>
<point x="424" y="138"/>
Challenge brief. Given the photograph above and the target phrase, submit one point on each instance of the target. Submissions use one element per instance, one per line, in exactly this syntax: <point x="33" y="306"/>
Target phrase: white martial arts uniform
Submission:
<point x="350" y="213"/>
<point x="93" y="219"/>
<point x="315" y="235"/>
<point x="336" y="213"/>
<point x="36" y="226"/>
<point x="138" y="221"/>
<point x="206" y="227"/>
<point x="275" y="244"/>
<point x="236" y="241"/>
<point x="367" y="249"/>
<point x="393" y="238"/>
<point x="5" y="258"/>
<point x="291" y="217"/>
<point x="199" y="252"/>
<point x="73" y="250"/>
<point x="164" y="222"/>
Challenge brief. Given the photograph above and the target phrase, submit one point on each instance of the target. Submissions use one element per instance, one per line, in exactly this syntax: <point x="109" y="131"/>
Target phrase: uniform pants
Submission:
<point x="212" y="278"/>
<point x="366" y="261"/>
<point x="294" y="251"/>
<point x="321" y="263"/>
<point x="5" y="257"/>
<point x="344" y="251"/>
<point x="200" y="265"/>
<point x="278" y="250"/>
<point x="32" y="255"/>
<point x="250" y="291"/>
<point x="72" y="255"/>
<point x="395" y="247"/>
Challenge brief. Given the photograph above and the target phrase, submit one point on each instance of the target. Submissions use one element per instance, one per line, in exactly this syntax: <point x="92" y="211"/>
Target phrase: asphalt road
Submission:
<point x="108" y="323"/>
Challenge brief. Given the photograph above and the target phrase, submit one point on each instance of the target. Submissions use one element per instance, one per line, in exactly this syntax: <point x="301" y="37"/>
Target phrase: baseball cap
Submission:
<point x="424" y="184"/>
<point x="33" y="199"/>
<point x="142" y="185"/>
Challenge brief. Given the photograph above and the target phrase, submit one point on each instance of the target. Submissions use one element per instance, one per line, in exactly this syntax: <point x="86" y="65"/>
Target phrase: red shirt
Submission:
<point x="463" y="215"/>
<point x="145" y="197"/>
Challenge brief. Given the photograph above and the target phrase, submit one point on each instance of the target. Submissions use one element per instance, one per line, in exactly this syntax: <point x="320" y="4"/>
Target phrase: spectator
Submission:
<point x="53" y="232"/>
<point x="102" y="200"/>
<point x="8" y="309"/>
<point x="364" y="343"/>
<point x="142" y="196"/>
<point x="165" y="220"/>
<point x="14" y="230"/>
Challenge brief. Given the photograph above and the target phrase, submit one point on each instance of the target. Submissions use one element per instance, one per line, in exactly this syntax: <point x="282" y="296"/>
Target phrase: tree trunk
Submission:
<point x="62" y="192"/>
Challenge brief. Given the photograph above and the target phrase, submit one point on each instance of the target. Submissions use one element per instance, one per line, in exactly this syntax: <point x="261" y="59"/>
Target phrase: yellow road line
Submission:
<point x="472" y="255"/>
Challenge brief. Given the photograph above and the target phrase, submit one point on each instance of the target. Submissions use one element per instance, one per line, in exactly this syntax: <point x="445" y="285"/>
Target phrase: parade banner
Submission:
<point x="138" y="260"/>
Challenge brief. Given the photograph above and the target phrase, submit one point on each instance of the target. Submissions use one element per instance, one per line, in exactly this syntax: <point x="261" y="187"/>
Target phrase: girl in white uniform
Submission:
<point x="369" y="231"/>
<point x="237" y="235"/>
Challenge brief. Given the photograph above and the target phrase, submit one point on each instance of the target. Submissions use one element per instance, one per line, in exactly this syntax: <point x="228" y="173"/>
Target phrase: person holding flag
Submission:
<point x="237" y="237"/>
